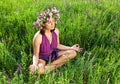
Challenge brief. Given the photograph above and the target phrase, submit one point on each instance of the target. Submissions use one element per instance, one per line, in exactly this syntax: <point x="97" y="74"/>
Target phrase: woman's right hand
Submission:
<point x="33" y="68"/>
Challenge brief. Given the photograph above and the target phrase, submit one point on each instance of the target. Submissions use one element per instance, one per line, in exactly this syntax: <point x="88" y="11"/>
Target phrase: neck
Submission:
<point x="47" y="31"/>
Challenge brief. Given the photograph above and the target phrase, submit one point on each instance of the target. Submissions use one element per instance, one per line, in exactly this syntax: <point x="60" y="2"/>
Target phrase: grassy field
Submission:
<point x="94" y="24"/>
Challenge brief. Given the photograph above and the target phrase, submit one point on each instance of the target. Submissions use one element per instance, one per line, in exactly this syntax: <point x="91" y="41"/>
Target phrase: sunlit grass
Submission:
<point x="95" y="25"/>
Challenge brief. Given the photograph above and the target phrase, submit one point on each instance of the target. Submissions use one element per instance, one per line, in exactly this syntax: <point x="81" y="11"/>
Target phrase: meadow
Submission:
<point x="93" y="24"/>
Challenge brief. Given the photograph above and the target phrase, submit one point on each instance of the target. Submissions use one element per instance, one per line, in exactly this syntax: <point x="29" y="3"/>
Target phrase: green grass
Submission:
<point x="95" y="25"/>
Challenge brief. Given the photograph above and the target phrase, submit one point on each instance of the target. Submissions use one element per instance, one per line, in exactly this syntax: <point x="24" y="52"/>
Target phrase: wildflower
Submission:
<point x="44" y="16"/>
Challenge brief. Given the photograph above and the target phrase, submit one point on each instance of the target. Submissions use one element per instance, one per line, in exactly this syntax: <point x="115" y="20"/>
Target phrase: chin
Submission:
<point x="52" y="28"/>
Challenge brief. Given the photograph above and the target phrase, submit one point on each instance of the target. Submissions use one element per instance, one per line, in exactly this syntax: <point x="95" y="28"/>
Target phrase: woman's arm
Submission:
<point x="74" y="47"/>
<point x="63" y="47"/>
<point x="36" y="48"/>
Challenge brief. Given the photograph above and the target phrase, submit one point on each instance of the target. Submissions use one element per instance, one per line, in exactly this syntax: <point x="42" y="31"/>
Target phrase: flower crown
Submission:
<point x="45" y="16"/>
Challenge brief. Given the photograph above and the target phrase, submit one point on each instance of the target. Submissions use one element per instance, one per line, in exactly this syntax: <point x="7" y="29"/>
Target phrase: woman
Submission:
<point x="48" y="52"/>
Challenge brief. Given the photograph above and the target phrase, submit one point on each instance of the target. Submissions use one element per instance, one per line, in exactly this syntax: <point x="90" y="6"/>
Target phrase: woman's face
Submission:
<point x="50" y="24"/>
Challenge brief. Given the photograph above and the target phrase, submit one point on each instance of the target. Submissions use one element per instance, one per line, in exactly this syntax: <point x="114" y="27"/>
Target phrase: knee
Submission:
<point x="73" y="53"/>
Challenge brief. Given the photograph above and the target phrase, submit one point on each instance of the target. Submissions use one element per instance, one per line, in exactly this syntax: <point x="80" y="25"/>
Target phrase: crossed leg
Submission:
<point x="63" y="57"/>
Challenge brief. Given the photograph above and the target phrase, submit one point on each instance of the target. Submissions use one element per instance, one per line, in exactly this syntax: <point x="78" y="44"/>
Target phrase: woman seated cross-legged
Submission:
<point x="48" y="52"/>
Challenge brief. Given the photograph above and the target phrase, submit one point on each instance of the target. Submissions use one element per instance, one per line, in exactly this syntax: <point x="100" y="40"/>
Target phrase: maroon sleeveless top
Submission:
<point x="48" y="50"/>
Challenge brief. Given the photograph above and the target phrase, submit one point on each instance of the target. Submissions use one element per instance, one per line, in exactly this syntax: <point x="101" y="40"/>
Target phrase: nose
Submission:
<point x="52" y="23"/>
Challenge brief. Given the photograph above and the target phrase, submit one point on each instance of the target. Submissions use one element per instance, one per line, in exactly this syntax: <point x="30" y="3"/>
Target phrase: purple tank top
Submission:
<point x="46" y="48"/>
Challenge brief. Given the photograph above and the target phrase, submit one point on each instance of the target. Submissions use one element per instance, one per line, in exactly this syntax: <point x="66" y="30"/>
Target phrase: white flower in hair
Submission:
<point x="44" y="16"/>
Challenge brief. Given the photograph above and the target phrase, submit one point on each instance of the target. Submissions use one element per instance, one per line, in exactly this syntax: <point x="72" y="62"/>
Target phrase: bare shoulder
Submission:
<point x="37" y="38"/>
<point x="57" y="31"/>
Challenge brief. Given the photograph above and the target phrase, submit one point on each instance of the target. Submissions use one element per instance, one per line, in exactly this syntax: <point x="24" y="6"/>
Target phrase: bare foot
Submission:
<point x="41" y="68"/>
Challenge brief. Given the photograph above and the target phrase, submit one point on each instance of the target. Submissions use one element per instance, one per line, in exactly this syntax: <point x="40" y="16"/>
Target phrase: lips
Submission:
<point x="52" y="26"/>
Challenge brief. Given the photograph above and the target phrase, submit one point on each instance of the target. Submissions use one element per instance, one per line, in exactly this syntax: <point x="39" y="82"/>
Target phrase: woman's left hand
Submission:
<point x="77" y="48"/>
